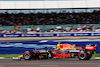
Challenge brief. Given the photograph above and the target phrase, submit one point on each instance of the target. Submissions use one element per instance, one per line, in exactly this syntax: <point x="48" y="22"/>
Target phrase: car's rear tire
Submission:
<point x="27" y="55"/>
<point x="89" y="56"/>
<point x="82" y="55"/>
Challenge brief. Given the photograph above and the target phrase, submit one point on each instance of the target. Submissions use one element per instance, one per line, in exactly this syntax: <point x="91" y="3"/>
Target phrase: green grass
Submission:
<point x="95" y="55"/>
<point x="10" y="55"/>
<point x="16" y="55"/>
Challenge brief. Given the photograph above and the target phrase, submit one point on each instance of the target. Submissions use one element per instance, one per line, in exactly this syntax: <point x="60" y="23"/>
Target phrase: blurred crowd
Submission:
<point x="49" y="18"/>
<point x="58" y="29"/>
<point x="84" y="18"/>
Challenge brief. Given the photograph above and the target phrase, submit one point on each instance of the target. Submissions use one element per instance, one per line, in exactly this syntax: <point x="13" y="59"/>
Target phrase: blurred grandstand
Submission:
<point x="61" y="16"/>
<point x="49" y="22"/>
<point x="50" y="18"/>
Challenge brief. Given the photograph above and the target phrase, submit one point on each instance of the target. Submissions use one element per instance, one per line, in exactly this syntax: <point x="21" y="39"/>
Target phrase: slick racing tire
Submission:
<point x="82" y="55"/>
<point x="88" y="56"/>
<point x="27" y="55"/>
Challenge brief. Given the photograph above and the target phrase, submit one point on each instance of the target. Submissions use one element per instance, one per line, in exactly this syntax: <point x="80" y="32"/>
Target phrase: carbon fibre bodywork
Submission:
<point x="62" y="51"/>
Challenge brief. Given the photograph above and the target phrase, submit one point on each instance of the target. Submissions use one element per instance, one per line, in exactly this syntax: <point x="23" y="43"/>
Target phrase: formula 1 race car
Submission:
<point x="61" y="51"/>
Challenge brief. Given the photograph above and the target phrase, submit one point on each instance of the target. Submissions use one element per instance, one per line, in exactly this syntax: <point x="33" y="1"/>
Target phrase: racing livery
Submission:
<point x="61" y="51"/>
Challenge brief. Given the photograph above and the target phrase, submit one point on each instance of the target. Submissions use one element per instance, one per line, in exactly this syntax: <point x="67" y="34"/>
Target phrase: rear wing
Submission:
<point x="90" y="47"/>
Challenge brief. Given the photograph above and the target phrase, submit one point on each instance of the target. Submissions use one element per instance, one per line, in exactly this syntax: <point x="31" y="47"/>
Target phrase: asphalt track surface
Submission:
<point x="68" y="62"/>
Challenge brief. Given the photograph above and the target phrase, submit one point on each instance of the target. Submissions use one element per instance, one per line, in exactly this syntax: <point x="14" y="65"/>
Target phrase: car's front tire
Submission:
<point x="27" y="55"/>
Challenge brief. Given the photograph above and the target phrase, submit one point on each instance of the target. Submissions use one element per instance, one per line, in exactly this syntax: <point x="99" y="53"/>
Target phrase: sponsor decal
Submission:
<point x="74" y="50"/>
<point x="46" y="35"/>
<point x="10" y="35"/>
<point x="65" y="46"/>
<point x="65" y="34"/>
<point x="41" y="56"/>
<point x="81" y="34"/>
<point x="58" y="35"/>
<point x="95" y="34"/>
<point x="29" y="35"/>
<point x="89" y="47"/>
<point x="49" y="35"/>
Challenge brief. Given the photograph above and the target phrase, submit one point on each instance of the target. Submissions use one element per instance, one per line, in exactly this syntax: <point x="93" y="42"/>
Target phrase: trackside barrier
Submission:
<point x="50" y="35"/>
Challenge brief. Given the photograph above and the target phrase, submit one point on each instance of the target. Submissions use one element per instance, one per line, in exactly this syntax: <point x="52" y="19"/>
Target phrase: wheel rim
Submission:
<point x="26" y="55"/>
<point x="82" y="55"/>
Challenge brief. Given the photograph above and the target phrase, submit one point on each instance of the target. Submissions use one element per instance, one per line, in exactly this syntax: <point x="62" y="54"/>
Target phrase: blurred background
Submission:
<point x="33" y="25"/>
